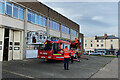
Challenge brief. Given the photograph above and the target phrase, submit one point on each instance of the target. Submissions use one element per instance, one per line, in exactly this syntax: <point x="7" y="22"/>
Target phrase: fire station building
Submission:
<point x="19" y="18"/>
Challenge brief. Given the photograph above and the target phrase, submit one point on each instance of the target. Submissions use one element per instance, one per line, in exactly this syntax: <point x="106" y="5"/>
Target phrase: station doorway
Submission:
<point x="12" y="44"/>
<point x="6" y="44"/>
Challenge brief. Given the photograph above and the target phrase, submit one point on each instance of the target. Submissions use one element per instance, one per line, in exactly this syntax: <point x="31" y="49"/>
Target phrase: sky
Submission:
<point x="94" y="18"/>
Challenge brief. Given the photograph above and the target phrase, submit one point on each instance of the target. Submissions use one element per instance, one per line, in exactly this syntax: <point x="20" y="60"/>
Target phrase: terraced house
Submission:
<point x="19" y="18"/>
<point x="108" y="44"/>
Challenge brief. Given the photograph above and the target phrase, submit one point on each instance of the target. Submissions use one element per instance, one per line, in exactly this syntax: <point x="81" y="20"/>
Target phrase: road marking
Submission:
<point x="18" y="74"/>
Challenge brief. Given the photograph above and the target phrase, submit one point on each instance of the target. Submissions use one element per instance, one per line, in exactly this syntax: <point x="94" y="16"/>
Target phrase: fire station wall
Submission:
<point x="54" y="33"/>
<point x="64" y="35"/>
<point x="34" y="27"/>
<point x="0" y="19"/>
<point x="1" y="43"/>
<point x="12" y="22"/>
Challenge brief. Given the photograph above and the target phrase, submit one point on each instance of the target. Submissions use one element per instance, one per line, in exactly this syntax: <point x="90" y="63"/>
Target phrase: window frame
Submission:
<point x="10" y="5"/>
<point x="15" y="7"/>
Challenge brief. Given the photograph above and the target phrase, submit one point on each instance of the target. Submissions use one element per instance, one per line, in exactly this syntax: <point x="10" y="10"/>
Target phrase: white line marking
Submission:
<point x="18" y="74"/>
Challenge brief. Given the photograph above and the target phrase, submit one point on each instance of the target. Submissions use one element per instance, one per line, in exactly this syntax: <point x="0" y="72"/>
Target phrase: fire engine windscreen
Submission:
<point x="47" y="46"/>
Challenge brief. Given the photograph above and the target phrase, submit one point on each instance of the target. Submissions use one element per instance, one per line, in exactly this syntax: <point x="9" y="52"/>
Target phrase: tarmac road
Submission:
<point x="37" y="68"/>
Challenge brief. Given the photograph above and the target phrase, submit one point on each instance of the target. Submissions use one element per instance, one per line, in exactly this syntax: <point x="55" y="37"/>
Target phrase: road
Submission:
<point x="37" y="68"/>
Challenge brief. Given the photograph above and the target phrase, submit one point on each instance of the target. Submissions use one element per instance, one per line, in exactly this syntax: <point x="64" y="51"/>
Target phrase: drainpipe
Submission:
<point x="25" y="33"/>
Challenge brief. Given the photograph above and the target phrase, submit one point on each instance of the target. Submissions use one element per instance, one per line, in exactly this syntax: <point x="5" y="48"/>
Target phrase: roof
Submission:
<point x="108" y="37"/>
<point x="45" y="10"/>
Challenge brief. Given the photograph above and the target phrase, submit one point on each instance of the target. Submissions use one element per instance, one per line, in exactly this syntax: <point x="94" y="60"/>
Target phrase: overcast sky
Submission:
<point x="95" y="18"/>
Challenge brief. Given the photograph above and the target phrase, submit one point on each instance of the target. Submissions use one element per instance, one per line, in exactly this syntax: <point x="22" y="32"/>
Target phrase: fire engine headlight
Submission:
<point x="61" y="51"/>
<point x="49" y="56"/>
<point x="40" y="52"/>
<point x="45" y="53"/>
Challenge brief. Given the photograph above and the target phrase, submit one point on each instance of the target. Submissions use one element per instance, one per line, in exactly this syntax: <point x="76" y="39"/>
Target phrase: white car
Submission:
<point x="98" y="53"/>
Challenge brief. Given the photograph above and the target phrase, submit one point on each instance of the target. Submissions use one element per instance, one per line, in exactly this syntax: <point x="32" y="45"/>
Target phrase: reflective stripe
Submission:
<point x="57" y="54"/>
<point x="59" y="57"/>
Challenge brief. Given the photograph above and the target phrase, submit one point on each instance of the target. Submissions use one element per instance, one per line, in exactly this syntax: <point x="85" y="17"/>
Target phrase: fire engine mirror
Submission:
<point x="60" y="43"/>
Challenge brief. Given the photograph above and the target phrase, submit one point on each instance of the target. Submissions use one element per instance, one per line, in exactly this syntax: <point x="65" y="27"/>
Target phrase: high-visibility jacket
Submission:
<point x="76" y="41"/>
<point x="72" y="52"/>
<point x="66" y="53"/>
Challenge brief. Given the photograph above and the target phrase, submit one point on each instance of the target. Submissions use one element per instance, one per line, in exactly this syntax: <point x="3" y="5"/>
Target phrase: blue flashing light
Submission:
<point x="54" y="40"/>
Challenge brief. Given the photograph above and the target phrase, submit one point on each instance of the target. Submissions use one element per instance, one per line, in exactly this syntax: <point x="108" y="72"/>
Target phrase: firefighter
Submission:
<point x="66" y="58"/>
<point x="76" y="43"/>
<point x="72" y="54"/>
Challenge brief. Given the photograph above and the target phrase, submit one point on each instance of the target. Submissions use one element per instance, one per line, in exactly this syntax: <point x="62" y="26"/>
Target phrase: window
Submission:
<point x="111" y="46"/>
<point x="101" y="45"/>
<point x="2" y="7"/>
<point x="21" y="13"/>
<point x="44" y="22"/>
<point x="9" y="9"/>
<point x="51" y="25"/>
<point x="56" y="47"/>
<point x="58" y="27"/>
<point x="97" y="40"/>
<point x="101" y="40"/>
<point x="15" y="11"/>
<point x="54" y="25"/>
<point x="29" y="16"/>
<point x="85" y="45"/>
<point x="37" y="19"/>
<point x="111" y="40"/>
<point x="33" y="18"/>
<point x="91" y="45"/>
<point x="97" y="45"/>
<point x="65" y="29"/>
<point x="41" y="20"/>
<point x="73" y="32"/>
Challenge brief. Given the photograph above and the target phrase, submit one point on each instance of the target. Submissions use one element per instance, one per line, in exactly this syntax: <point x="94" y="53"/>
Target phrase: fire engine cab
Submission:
<point x="53" y="49"/>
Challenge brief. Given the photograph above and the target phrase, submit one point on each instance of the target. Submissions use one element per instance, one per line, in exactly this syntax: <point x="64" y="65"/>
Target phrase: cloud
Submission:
<point x="93" y="17"/>
<point x="98" y="18"/>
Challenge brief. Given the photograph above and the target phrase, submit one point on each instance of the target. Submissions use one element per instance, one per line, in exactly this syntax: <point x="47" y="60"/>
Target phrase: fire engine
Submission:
<point x="50" y="48"/>
<point x="53" y="49"/>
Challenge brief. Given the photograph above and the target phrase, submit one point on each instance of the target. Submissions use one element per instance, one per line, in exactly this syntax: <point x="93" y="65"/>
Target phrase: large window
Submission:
<point x="65" y="29"/>
<point x="9" y="9"/>
<point x="41" y="20"/>
<point x="37" y="19"/>
<point x="44" y="22"/>
<point x="33" y="18"/>
<point x="2" y="7"/>
<point x="29" y="16"/>
<point x="73" y="32"/>
<point x="54" y="25"/>
<point x="15" y="11"/>
<point x="21" y="13"/>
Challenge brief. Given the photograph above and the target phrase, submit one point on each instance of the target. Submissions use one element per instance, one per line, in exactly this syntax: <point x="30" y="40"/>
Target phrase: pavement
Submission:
<point x="109" y="71"/>
<point x="38" y="68"/>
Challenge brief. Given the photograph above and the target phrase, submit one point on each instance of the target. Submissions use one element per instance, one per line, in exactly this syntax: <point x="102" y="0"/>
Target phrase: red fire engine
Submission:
<point x="53" y="49"/>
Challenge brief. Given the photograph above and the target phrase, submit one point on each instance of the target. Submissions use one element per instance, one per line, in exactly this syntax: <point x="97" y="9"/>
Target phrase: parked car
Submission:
<point x="85" y="53"/>
<point x="97" y="53"/>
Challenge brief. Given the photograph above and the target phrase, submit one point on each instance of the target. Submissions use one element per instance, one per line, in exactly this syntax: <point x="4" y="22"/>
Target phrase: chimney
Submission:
<point x="105" y="35"/>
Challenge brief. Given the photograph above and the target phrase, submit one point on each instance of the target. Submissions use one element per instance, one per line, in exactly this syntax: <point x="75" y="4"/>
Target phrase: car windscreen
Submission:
<point x="47" y="46"/>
